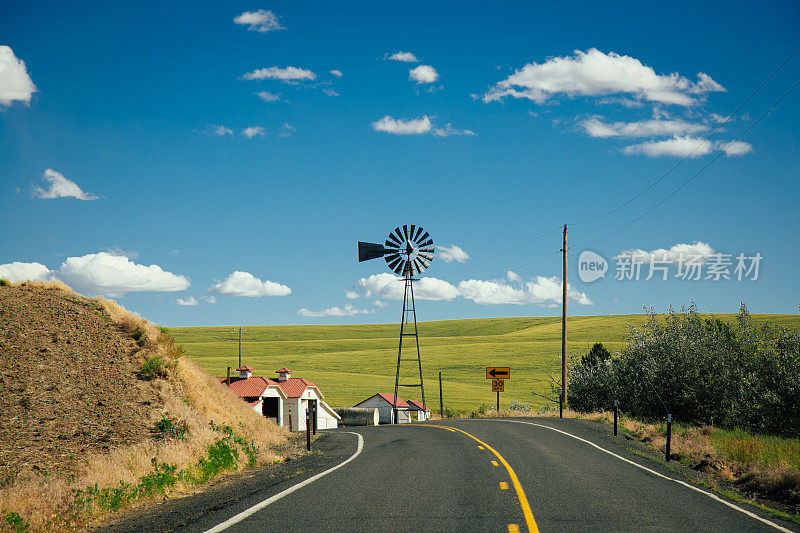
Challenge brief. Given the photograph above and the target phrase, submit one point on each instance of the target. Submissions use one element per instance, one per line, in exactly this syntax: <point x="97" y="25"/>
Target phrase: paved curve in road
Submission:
<point x="491" y="475"/>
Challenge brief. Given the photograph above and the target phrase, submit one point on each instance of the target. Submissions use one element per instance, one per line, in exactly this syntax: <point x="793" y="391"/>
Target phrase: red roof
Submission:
<point x="294" y="387"/>
<point x="253" y="404"/>
<point x="390" y="398"/>
<point x="283" y="370"/>
<point x="418" y="405"/>
<point x="251" y="387"/>
<point x="247" y="368"/>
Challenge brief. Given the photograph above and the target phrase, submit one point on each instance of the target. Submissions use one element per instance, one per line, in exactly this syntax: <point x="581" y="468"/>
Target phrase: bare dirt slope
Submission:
<point x="68" y="383"/>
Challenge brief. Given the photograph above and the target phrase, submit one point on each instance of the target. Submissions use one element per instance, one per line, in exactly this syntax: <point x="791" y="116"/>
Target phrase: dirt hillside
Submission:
<point x="68" y="383"/>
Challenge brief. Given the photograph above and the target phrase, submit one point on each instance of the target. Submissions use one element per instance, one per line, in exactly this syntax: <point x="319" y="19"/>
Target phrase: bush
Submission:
<point x="519" y="406"/>
<point x="12" y="518"/>
<point x="701" y="370"/>
<point x="153" y="368"/>
<point x="169" y="427"/>
<point x="4" y="282"/>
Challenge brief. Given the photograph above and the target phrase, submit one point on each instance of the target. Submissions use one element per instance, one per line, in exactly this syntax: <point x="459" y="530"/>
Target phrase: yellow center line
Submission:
<point x="503" y="485"/>
<point x="523" y="500"/>
<point x="513" y="528"/>
<point x="481" y="448"/>
<point x="495" y="463"/>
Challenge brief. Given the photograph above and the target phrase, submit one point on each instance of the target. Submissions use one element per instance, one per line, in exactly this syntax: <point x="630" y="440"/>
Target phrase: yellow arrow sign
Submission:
<point x="498" y="372"/>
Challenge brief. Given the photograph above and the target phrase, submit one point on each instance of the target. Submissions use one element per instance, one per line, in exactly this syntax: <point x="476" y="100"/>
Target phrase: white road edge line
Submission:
<point x="272" y="499"/>
<point x="687" y="485"/>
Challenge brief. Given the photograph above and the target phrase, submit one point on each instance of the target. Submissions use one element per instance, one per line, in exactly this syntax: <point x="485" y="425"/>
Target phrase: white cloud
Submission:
<point x="191" y="301"/>
<point x="287" y="130"/>
<point x="60" y="187"/>
<point x="389" y="287"/>
<point x="112" y="275"/>
<point x="216" y="130"/>
<point x="209" y="299"/>
<point x="268" y="96"/>
<point x="337" y="73"/>
<point x="539" y="290"/>
<point x="330" y="92"/>
<point x="672" y="255"/>
<point x="735" y="148"/>
<point x="254" y="131"/>
<point x="451" y="253"/>
<point x="347" y="310"/>
<point x="260" y="21"/>
<point x="644" y="128"/>
<point x="287" y="74"/>
<point x="244" y="284"/>
<point x="405" y="57"/>
<point x="379" y="303"/>
<point x="512" y="276"/>
<point x="403" y="127"/>
<point x="450" y="130"/>
<point x="16" y="271"/>
<point x="423" y="74"/>
<point x="688" y="146"/>
<point x="351" y="295"/>
<point x="594" y="73"/>
<point x="676" y="147"/>
<point x="15" y="83"/>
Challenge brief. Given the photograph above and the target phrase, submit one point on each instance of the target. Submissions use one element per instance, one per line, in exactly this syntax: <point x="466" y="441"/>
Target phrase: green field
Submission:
<point x="353" y="362"/>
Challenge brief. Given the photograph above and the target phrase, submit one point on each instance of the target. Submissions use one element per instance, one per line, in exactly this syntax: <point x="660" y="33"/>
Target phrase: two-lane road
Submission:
<point x="492" y="475"/>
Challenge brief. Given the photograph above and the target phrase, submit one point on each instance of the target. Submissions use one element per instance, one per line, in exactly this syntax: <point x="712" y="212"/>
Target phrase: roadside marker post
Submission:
<point x="308" y="428"/>
<point x="616" y="410"/>
<point x="669" y="433"/>
<point x="441" y="402"/>
<point x="314" y="417"/>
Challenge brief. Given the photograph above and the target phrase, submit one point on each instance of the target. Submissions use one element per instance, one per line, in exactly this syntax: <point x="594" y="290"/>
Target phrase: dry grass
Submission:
<point x="187" y="394"/>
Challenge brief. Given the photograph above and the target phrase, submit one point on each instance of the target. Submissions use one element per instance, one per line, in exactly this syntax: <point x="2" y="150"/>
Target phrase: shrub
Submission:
<point x="4" y="282"/>
<point x="13" y="519"/>
<point x="701" y="370"/>
<point x="519" y="406"/>
<point x="152" y="368"/>
<point x="169" y="427"/>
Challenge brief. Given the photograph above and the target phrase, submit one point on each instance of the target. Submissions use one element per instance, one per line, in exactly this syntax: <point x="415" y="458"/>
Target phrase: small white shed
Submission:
<point x="385" y="404"/>
<point x="423" y="413"/>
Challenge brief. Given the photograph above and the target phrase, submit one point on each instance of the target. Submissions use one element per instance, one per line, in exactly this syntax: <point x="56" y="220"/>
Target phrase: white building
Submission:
<point x="284" y="400"/>
<point x="423" y="413"/>
<point x="385" y="405"/>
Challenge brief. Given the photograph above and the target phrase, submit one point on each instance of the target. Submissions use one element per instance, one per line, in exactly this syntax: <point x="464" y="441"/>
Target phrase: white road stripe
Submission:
<point x="687" y="485"/>
<point x="272" y="499"/>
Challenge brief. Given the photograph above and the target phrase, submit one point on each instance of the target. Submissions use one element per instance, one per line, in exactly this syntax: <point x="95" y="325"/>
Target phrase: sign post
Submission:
<point x="498" y="375"/>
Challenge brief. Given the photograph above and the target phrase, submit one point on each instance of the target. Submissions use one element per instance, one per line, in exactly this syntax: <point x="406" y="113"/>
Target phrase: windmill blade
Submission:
<point x="401" y="267"/>
<point x="399" y="236"/>
<point x="405" y="231"/>
<point x="426" y="243"/>
<point x="394" y="262"/>
<point x="394" y="239"/>
<point x="390" y="258"/>
<point x="416" y="237"/>
<point x="418" y="265"/>
<point x="369" y="250"/>
<point x="426" y="262"/>
<point x="391" y="247"/>
<point x="426" y="257"/>
<point x="422" y="238"/>
<point x="411" y="232"/>
<point x="426" y="250"/>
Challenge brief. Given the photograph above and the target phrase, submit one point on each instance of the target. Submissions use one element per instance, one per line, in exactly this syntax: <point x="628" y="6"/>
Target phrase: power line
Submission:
<point x="693" y="176"/>
<point x="701" y="143"/>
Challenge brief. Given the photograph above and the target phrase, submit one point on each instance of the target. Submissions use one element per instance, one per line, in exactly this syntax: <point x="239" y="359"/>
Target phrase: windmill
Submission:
<point x="407" y="253"/>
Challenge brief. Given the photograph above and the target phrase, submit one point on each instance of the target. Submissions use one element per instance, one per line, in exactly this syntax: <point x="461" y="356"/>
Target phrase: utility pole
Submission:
<point x="564" y="321"/>
<point x="240" y="341"/>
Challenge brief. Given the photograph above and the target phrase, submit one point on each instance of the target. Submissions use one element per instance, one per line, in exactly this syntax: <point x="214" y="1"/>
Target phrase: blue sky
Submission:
<point x="138" y="160"/>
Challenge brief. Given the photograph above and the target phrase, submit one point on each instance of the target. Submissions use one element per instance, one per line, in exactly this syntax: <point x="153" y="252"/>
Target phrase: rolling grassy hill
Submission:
<point x="352" y="362"/>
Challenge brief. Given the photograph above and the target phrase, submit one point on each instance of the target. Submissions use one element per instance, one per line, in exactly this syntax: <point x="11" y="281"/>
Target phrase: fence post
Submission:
<point x="616" y="411"/>
<point x="669" y="433"/>
<point x="308" y="427"/>
<point x="228" y="379"/>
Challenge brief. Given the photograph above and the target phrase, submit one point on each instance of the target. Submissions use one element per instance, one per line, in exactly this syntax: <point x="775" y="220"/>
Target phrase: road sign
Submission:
<point x="497" y="385"/>
<point x="498" y="372"/>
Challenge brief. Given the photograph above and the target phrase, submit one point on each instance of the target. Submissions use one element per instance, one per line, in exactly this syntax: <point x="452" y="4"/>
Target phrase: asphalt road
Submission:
<point x="426" y="478"/>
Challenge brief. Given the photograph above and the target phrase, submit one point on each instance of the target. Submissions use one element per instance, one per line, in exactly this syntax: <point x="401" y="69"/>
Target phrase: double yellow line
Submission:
<point x="523" y="500"/>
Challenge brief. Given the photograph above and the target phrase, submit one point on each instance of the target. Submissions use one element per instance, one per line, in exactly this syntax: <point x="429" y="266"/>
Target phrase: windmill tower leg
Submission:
<point x="400" y="347"/>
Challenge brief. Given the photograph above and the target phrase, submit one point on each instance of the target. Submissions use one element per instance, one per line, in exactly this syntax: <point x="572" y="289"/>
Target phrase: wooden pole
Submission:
<point x="564" y="321"/>
<point x="441" y="402"/>
<point x="240" y="346"/>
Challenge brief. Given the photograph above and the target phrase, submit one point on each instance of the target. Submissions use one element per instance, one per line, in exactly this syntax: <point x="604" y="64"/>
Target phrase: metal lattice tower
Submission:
<point x="407" y="253"/>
